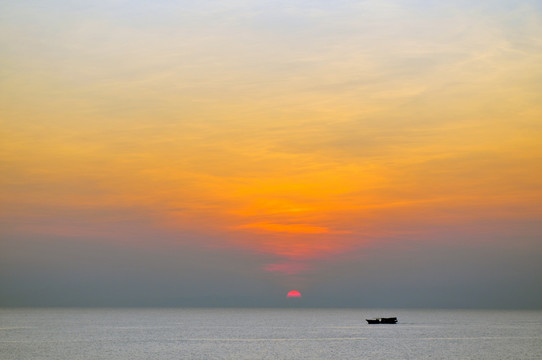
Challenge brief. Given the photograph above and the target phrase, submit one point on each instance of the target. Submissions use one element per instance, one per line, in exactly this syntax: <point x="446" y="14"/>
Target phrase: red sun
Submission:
<point x="293" y="294"/>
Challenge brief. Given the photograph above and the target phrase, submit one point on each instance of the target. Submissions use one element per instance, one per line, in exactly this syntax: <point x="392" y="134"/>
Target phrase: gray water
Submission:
<point x="122" y="334"/>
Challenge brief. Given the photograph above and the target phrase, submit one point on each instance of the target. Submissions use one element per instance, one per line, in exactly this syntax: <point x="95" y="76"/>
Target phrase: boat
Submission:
<point x="390" y="320"/>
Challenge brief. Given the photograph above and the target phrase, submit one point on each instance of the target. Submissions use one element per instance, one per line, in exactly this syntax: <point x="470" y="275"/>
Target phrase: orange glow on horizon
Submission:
<point x="290" y="228"/>
<point x="288" y="144"/>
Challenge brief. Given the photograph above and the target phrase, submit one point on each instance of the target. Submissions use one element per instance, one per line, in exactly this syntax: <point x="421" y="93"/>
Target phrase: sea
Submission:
<point x="293" y="333"/>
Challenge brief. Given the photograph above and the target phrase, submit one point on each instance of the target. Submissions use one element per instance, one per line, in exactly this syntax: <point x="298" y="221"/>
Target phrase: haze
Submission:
<point x="223" y="153"/>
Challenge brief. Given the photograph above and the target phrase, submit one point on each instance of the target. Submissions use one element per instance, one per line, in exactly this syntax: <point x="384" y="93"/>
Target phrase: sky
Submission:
<point x="222" y="153"/>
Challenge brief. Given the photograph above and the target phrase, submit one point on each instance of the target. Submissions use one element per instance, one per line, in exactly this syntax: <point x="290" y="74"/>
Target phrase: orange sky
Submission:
<point x="303" y="139"/>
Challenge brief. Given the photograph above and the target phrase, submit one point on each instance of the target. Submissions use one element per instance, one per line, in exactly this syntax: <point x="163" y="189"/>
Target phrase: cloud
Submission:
<point x="290" y="228"/>
<point x="291" y="134"/>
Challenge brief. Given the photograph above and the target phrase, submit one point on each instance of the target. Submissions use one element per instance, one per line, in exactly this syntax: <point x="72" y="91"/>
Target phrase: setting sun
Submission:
<point x="194" y="153"/>
<point x="293" y="294"/>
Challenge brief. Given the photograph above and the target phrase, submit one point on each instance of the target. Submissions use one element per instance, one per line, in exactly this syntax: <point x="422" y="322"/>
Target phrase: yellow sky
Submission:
<point x="301" y="133"/>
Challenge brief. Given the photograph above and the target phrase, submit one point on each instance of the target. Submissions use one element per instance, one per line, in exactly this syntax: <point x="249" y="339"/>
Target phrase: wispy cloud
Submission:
<point x="296" y="130"/>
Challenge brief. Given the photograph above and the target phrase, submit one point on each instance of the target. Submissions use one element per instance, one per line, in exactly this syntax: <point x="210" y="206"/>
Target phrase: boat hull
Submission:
<point x="392" y="320"/>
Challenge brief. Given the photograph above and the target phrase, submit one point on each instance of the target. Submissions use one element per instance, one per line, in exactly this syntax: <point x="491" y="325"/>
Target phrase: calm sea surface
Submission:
<point x="117" y="334"/>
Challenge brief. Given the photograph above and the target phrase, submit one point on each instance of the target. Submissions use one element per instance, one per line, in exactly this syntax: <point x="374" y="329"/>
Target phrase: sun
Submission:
<point x="294" y="294"/>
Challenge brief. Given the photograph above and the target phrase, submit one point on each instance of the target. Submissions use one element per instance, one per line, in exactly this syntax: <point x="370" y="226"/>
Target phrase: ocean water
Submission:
<point x="122" y="334"/>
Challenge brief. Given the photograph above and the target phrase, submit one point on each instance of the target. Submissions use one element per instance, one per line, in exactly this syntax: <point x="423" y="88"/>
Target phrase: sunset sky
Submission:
<point x="364" y="153"/>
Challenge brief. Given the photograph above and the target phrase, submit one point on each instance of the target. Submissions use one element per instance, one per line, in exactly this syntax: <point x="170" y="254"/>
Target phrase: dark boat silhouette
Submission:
<point x="391" y="320"/>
